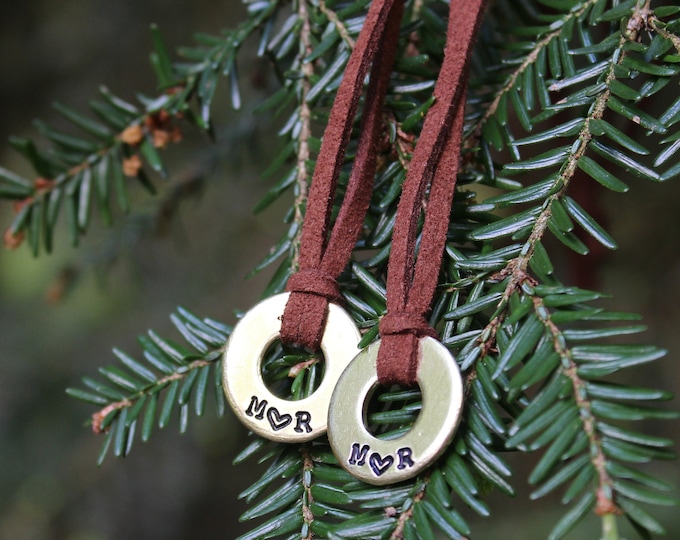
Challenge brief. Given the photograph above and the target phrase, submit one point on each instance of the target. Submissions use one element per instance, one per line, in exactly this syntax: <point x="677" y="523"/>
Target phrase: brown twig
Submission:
<point x="604" y="499"/>
<point x="339" y="25"/>
<point x="307" y="468"/>
<point x="303" y="151"/>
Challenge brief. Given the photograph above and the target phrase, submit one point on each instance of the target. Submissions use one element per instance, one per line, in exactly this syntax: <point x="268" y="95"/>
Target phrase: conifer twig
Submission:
<point x="303" y="150"/>
<point x="513" y="78"/>
<point x="308" y="500"/>
<point x="339" y="26"/>
<point x="99" y="416"/>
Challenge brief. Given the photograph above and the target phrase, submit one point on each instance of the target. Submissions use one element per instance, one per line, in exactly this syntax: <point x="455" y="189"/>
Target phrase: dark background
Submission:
<point x="61" y="314"/>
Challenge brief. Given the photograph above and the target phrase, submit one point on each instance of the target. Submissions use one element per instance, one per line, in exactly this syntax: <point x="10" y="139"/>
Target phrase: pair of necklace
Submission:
<point x="309" y="314"/>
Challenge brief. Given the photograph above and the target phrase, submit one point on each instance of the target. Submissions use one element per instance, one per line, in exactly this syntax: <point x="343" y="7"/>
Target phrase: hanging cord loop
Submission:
<point x="411" y="282"/>
<point x="323" y="256"/>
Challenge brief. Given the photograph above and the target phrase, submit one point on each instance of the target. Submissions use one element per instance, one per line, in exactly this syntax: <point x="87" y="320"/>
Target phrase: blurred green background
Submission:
<point x="193" y="245"/>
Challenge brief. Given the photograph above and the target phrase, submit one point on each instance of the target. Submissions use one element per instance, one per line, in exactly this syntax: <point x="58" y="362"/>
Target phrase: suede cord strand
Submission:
<point x="323" y="256"/>
<point x="411" y="282"/>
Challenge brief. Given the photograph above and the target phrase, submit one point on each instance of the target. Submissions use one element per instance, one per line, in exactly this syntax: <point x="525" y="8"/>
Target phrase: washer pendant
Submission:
<point x="381" y="462"/>
<point x="253" y="403"/>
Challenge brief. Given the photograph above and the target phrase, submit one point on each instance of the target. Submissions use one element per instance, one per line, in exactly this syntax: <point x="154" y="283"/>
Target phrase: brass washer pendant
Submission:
<point x="253" y="403"/>
<point x="377" y="461"/>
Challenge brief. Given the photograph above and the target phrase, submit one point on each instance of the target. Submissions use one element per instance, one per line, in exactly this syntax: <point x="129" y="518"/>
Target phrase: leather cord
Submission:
<point x="411" y="280"/>
<point x="323" y="254"/>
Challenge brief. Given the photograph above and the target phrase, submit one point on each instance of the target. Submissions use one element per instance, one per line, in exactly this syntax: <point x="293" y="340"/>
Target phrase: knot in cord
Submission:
<point x="406" y="322"/>
<point x="314" y="281"/>
<point x="324" y="252"/>
<point x="304" y="318"/>
<point x="400" y="331"/>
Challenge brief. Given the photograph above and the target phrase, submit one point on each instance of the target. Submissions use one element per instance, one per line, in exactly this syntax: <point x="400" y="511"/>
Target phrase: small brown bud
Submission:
<point x="159" y="120"/>
<point x="132" y="135"/>
<point x="13" y="241"/>
<point x="43" y="184"/>
<point x="97" y="419"/>
<point x="162" y="116"/>
<point x="132" y="165"/>
<point x="297" y="368"/>
<point x="160" y="138"/>
<point x="605" y="505"/>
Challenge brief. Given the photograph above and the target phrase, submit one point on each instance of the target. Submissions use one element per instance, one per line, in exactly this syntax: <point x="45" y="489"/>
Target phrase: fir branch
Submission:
<point x="168" y="368"/>
<point x="119" y="143"/>
<point x="99" y="416"/>
<point x="514" y="77"/>
<point x="87" y="170"/>
<point x="517" y="269"/>
<point x="605" y="505"/>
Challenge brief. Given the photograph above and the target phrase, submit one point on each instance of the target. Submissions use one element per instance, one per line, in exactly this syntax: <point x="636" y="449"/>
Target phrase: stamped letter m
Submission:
<point x="358" y="456"/>
<point x="257" y="406"/>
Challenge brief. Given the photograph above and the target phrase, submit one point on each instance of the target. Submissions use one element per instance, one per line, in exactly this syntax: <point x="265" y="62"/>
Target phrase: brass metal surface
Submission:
<point x="253" y="403"/>
<point x="379" y="461"/>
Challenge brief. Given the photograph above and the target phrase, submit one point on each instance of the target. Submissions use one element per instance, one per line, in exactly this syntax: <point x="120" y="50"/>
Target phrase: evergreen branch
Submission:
<point x="156" y="219"/>
<point x="86" y="171"/>
<point x="99" y="416"/>
<point x="516" y="278"/>
<point x="514" y="77"/>
<point x="126" y="138"/>
<point x="517" y="268"/>
<point x="562" y="462"/>
<point x="168" y="368"/>
<point x="605" y="504"/>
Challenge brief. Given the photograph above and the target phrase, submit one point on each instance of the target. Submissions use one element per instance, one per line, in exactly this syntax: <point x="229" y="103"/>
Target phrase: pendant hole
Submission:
<point x="389" y="413"/>
<point x="291" y="373"/>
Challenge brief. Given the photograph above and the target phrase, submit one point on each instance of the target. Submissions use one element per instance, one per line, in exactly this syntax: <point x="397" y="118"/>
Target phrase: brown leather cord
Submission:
<point x="323" y="256"/>
<point x="411" y="283"/>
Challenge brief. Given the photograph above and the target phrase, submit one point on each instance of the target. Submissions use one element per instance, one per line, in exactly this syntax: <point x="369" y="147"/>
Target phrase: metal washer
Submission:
<point x="377" y="461"/>
<point x="253" y="403"/>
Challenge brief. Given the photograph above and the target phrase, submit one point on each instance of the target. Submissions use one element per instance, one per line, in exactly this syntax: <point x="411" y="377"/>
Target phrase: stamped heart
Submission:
<point x="379" y="464"/>
<point x="277" y="420"/>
